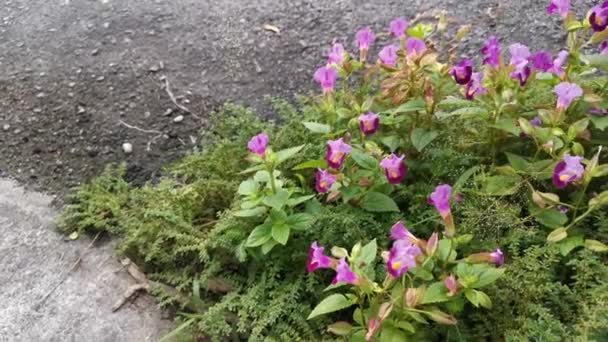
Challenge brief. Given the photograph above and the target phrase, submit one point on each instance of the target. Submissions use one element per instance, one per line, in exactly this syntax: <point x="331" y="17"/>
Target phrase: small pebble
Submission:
<point x="168" y="112"/>
<point x="127" y="148"/>
<point x="6" y="127"/>
<point x="178" y="119"/>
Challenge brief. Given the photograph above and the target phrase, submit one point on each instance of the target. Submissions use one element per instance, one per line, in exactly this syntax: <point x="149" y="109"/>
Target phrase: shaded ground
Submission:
<point x="42" y="300"/>
<point x="71" y="69"/>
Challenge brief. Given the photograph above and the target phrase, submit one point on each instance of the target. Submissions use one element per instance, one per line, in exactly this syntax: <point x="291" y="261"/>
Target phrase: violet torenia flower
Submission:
<point x="599" y="17"/>
<point x="497" y="257"/>
<point x="398" y="27"/>
<point x="440" y="198"/>
<point x="542" y="61"/>
<point x="567" y="171"/>
<point x="369" y="123"/>
<point x="604" y="48"/>
<point x="562" y="7"/>
<point x="415" y="47"/>
<point x="258" y="144"/>
<point x="316" y="258"/>
<point x="402" y="257"/>
<point x="336" y="54"/>
<point x="394" y="168"/>
<point x="475" y="86"/>
<point x="400" y="232"/>
<point x="388" y="55"/>
<point x="336" y="152"/>
<point x="344" y="274"/>
<point x="451" y="284"/>
<point x="566" y="93"/>
<point x="365" y="38"/>
<point x="462" y="71"/>
<point x="563" y="209"/>
<point x="597" y="111"/>
<point x="559" y="62"/>
<point x="536" y="121"/>
<point x="492" y="52"/>
<point x="519" y="59"/>
<point x="324" y="180"/>
<point x="326" y="77"/>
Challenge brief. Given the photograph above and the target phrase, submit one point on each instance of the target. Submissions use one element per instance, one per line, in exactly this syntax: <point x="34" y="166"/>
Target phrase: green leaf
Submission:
<point x="549" y="217"/>
<point x="285" y="154"/>
<point x="332" y="303"/>
<point x="436" y="293"/>
<point x="468" y="112"/>
<point x="596" y="246"/>
<point x="487" y="276"/>
<point x="248" y="187"/>
<point x="410" y="106"/>
<point x="316" y="127"/>
<point x="464" y="177"/>
<point x="391" y="141"/>
<point x="340" y="328"/>
<point x="252" y="169"/>
<point x="368" y="253"/>
<point x="367" y="105"/>
<point x="557" y="235"/>
<point x="577" y="128"/>
<point x="478" y="298"/>
<point x="517" y="162"/>
<point x="443" y="248"/>
<point x="501" y="185"/>
<point x="278" y="200"/>
<point x="364" y="160"/>
<point x="569" y="244"/>
<point x="420" y="31"/>
<point x="599" y="121"/>
<point x="300" y="221"/>
<point x="257" y="211"/>
<point x="391" y="333"/>
<point x="311" y="164"/>
<point x="260" y="235"/>
<point x="280" y="233"/>
<point x="378" y="202"/>
<point x="422" y="137"/>
<point x="177" y="331"/>
<point x="508" y="125"/>
<point x="454" y="102"/>
<point x="292" y="202"/>
<point x="597" y="60"/>
<point x="268" y="246"/>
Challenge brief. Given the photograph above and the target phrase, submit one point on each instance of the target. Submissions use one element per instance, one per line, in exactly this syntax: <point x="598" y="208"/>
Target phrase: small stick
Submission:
<point x="174" y="100"/>
<point x="139" y="129"/>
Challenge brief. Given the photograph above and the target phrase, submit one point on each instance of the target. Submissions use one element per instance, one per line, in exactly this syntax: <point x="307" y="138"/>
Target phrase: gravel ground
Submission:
<point x="80" y="78"/>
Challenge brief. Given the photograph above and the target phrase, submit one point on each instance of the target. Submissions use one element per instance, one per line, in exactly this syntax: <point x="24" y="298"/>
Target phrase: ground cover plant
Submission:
<point x="419" y="196"/>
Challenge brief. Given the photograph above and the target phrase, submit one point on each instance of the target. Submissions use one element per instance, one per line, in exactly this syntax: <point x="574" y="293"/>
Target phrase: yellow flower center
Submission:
<point x="368" y="125"/>
<point x="323" y="184"/>
<point x="564" y="177"/>
<point x="337" y="157"/>
<point x="396" y="265"/>
<point x="394" y="174"/>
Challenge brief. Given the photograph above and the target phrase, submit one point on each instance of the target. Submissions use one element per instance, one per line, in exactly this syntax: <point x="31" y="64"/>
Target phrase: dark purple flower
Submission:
<point x="369" y="123"/>
<point x="492" y="52"/>
<point x="542" y="61"/>
<point x="599" y="17"/>
<point x="604" y="48"/>
<point x="415" y="48"/>
<point x="563" y="209"/>
<point x="598" y="111"/>
<point x="394" y="168"/>
<point x="440" y="198"/>
<point x="400" y="232"/>
<point x="336" y="152"/>
<point x="365" y="38"/>
<point x="326" y="77"/>
<point x="316" y="258"/>
<point x="451" y="284"/>
<point x="402" y="257"/>
<point x="324" y="180"/>
<point x="459" y="198"/>
<point x="388" y="55"/>
<point x="559" y="6"/>
<point x="567" y="171"/>
<point x="497" y="257"/>
<point x="566" y="93"/>
<point x="536" y="121"/>
<point x="519" y="59"/>
<point x="258" y="144"/>
<point x="559" y="62"/>
<point x="336" y="54"/>
<point x="344" y="274"/>
<point x="475" y="86"/>
<point x="462" y="71"/>
<point x="398" y="27"/>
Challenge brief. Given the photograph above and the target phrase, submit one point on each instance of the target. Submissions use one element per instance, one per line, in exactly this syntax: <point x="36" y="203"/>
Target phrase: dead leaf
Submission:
<point x="272" y="28"/>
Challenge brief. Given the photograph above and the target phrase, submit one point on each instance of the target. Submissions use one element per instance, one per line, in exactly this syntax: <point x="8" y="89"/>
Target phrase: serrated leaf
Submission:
<point x="436" y="293"/>
<point x="410" y="106"/>
<point x="508" y="125"/>
<point x="332" y="303"/>
<point x="280" y="233"/>
<point x="278" y="200"/>
<point x="467" y="112"/>
<point x="517" y="162"/>
<point x="292" y="202"/>
<point x="570" y="243"/>
<point x="268" y="246"/>
<point x="488" y="276"/>
<point x="311" y="164"/>
<point x="364" y="160"/>
<point x="260" y="235"/>
<point x="391" y="141"/>
<point x="368" y="253"/>
<point x="501" y="185"/>
<point x="316" y="127"/>
<point x="287" y="153"/>
<point x="301" y="221"/>
<point x="421" y="138"/>
<point x="549" y="217"/>
<point x="378" y="202"/>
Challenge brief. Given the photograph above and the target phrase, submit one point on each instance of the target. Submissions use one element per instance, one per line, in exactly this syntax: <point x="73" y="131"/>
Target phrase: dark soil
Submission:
<point x="72" y="70"/>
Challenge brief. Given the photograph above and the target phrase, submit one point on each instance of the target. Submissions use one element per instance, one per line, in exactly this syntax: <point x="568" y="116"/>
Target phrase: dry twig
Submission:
<point x="174" y="100"/>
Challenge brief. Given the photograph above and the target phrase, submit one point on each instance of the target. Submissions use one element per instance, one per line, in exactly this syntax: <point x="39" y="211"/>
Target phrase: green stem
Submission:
<point x="273" y="186"/>
<point x="578" y="219"/>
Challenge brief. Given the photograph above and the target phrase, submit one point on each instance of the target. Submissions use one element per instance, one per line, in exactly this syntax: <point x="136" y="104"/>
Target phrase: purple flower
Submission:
<point x="599" y="17"/>
<point x="566" y="93"/>
<point x="398" y="27"/>
<point x="475" y="86"/>
<point x="519" y="59"/>
<point x="258" y="144"/>
<point x="563" y="209"/>
<point x="415" y="48"/>
<point x="344" y="274"/>
<point x="316" y="258"/>
<point x="542" y="61"/>
<point x="326" y="77"/>
<point x="394" y="168"/>
<point x="559" y="6"/>
<point x="497" y="257"/>
<point x="567" y="171"/>
<point x="388" y="55"/>
<point x="597" y="111"/>
<point x="440" y="198"/>
<point x="365" y="38"/>
<point x="451" y="284"/>
<point x="400" y="232"/>
<point x="324" y="180"/>
<point x="336" y="54"/>
<point x="336" y="152"/>
<point x="536" y="121"/>
<point x="462" y="71"/>
<point x="369" y="123"/>
<point x="558" y="63"/>
<point x="492" y="52"/>
<point x="604" y="48"/>
<point x="402" y="257"/>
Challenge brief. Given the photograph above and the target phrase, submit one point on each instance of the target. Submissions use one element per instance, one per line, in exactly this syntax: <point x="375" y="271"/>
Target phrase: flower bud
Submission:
<point x="432" y="243"/>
